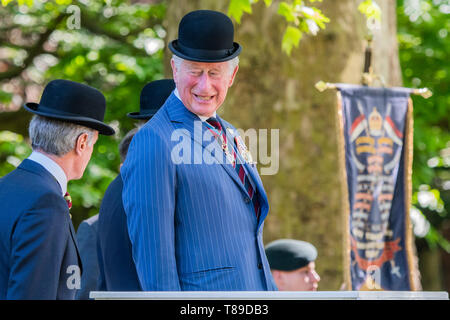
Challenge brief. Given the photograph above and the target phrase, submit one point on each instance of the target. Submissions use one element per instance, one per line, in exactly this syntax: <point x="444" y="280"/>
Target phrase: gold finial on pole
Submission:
<point x="424" y="92"/>
<point x="322" y="86"/>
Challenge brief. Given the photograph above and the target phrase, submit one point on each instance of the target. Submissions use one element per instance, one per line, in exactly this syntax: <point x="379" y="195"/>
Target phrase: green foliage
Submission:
<point x="117" y="49"/>
<point x="13" y="149"/>
<point x="424" y="45"/>
<point x="291" y="38"/>
<point x="238" y="7"/>
<point x="300" y="18"/>
<point x="370" y="9"/>
<point x="19" y="2"/>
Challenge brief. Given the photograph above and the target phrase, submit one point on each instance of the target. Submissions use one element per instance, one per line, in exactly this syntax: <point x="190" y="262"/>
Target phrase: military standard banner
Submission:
<point x="376" y="125"/>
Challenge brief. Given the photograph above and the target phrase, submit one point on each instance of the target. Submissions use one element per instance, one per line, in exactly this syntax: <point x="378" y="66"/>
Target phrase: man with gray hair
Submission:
<point x="194" y="201"/>
<point x="38" y="252"/>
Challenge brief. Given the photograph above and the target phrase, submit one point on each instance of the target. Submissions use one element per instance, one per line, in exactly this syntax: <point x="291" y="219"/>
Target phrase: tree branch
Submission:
<point x="92" y="25"/>
<point x="33" y="51"/>
<point x="89" y="23"/>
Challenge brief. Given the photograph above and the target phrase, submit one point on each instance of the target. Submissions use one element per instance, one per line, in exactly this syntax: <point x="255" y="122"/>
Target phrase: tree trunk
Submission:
<point x="274" y="91"/>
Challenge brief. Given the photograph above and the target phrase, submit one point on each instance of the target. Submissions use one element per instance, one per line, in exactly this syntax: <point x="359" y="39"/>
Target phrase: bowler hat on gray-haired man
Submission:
<point x="72" y="102"/>
<point x="205" y="36"/>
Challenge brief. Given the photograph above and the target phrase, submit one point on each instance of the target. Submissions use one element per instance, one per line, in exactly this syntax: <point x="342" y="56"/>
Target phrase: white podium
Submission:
<point x="269" y="295"/>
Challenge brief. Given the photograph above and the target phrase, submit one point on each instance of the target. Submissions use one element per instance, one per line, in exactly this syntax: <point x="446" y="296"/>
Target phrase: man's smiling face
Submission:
<point x="203" y="86"/>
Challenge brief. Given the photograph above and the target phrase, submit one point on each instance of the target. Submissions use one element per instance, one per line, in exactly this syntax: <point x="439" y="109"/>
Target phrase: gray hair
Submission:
<point x="56" y="137"/>
<point x="232" y="64"/>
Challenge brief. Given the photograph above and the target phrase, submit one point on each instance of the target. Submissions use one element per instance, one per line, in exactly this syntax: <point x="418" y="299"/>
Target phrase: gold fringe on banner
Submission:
<point x="414" y="277"/>
<point x="344" y="192"/>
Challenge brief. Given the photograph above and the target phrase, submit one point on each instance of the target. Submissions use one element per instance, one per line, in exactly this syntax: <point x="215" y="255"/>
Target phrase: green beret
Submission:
<point x="289" y="254"/>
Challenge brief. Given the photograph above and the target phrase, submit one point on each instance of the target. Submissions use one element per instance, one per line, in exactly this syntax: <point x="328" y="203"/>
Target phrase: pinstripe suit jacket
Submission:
<point x="191" y="223"/>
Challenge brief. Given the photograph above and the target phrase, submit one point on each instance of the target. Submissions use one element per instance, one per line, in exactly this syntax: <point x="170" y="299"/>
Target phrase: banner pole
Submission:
<point x="344" y="192"/>
<point x="322" y="86"/>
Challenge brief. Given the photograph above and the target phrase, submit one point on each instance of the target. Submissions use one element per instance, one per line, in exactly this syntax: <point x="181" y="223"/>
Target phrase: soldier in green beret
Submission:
<point x="292" y="263"/>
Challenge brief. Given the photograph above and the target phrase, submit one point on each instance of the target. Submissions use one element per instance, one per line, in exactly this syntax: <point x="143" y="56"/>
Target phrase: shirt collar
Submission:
<point x="52" y="167"/>
<point x="201" y="117"/>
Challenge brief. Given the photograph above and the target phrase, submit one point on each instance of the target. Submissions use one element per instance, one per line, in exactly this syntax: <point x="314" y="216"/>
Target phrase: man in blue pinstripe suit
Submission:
<point x="195" y="205"/>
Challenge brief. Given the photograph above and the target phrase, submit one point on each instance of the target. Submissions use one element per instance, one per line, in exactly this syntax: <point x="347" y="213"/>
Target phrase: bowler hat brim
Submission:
<point x="40" y="110"/>
<point x="140" y="116"/>
<point x="199" y="55"/>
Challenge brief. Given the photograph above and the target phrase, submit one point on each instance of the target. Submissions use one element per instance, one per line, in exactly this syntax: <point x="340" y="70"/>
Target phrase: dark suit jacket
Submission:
<point x="38" y="253"/>
<point x="116" y="265"/>
<point x="87" y="243"/>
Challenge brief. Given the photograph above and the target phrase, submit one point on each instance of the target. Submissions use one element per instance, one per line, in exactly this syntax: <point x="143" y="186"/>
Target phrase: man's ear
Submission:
<point x="174" y="70"/>
<point x="81" y="144"/>
<point x="233" y="75"/>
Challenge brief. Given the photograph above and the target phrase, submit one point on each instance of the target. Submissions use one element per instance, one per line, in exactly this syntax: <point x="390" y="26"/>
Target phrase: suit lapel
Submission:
<point x="196" y="130"/>
<point x="252" y="171"/>
<point x="184" y="119"/>
<point x="74" y="240"/>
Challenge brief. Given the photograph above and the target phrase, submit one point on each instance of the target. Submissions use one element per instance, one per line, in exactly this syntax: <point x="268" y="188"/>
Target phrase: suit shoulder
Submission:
<point x="115" y="187"/>
<point x="158" y="122"/>
<point x="112" y="199"/>
<point x="30" y="181"/>
<point x="156" y="133"/>
<point x="87" y="226"/>
<point x="90" y="221"/>
<point x="22" y="188"/>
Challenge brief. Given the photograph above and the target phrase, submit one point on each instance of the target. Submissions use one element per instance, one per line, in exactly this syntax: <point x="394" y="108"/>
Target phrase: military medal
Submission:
<point x="223" y="143"/>
<point x="243" y="150"/>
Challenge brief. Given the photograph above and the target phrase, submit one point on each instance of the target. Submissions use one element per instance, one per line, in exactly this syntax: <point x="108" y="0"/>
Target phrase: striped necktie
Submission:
<point x="216" y="129"/>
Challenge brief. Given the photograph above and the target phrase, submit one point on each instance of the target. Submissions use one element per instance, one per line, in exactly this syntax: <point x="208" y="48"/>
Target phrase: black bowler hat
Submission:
<point x="205" y="36"/>
<point x="290" y="254"/>
<point x="153" y="97"/>
<point x="72" y="102"/>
